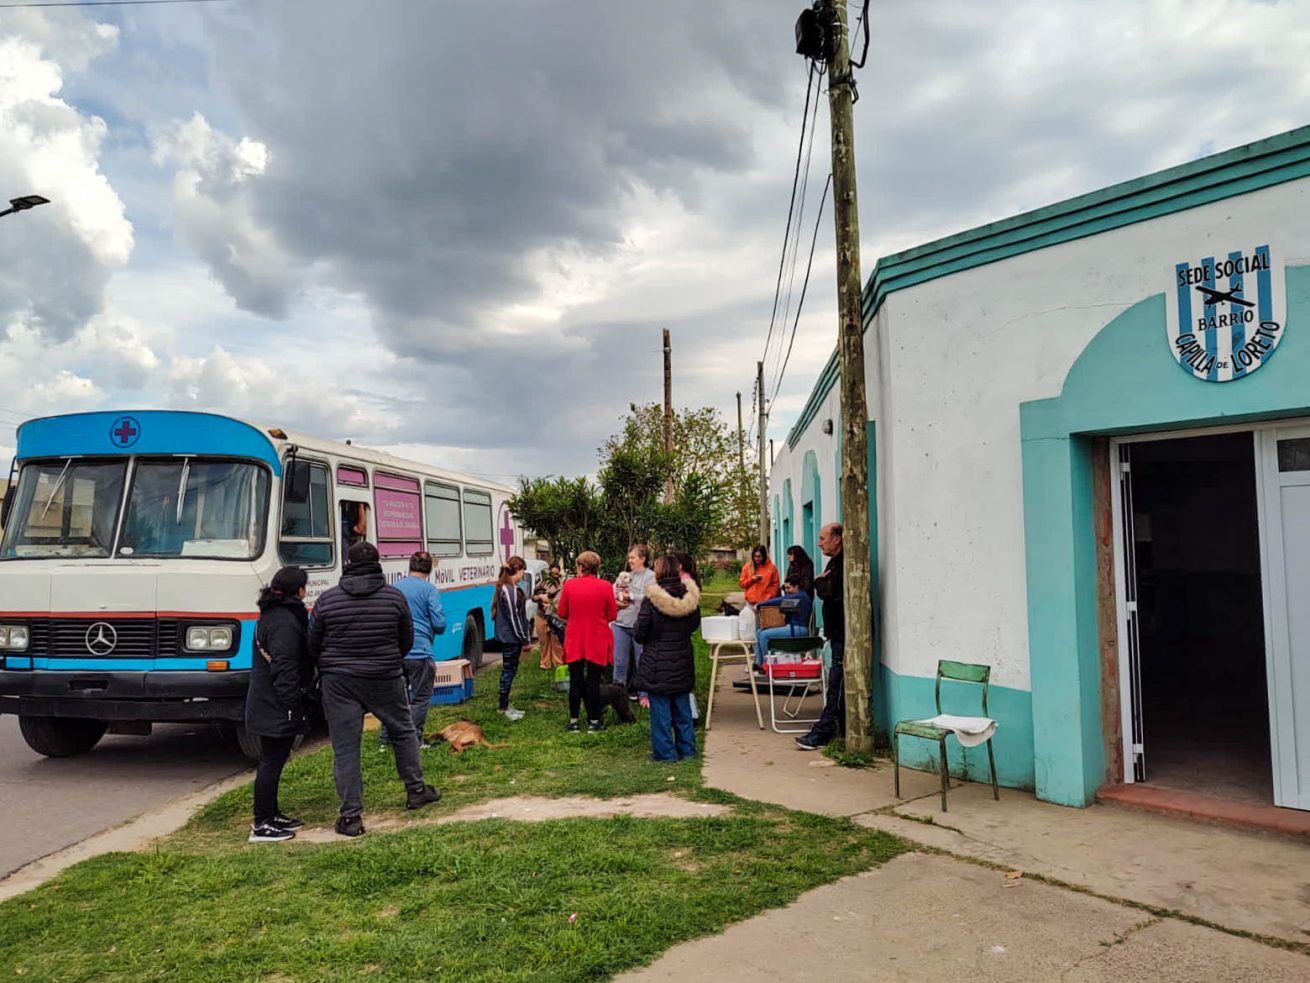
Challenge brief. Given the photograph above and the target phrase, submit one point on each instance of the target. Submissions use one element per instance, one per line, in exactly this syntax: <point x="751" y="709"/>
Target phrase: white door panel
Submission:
<point x="1286" y="463"/>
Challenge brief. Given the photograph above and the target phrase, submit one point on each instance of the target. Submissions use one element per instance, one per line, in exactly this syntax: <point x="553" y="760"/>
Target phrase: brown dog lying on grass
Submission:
<point x="462" y="735"/>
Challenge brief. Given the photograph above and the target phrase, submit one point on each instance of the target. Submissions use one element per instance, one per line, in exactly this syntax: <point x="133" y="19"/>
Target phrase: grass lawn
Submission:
<point x="487" y="900"/>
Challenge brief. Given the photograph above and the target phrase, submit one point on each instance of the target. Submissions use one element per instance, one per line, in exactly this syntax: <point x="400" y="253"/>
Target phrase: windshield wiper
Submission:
<point x="58" y="485"/>
<point x="181" y="488"/>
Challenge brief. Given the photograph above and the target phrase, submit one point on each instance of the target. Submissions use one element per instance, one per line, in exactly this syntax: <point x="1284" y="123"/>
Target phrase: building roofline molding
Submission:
<point x="1251" y="167"/>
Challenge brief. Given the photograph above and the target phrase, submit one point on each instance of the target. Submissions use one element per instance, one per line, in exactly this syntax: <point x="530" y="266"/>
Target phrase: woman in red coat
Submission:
<point x="587" y="603"/>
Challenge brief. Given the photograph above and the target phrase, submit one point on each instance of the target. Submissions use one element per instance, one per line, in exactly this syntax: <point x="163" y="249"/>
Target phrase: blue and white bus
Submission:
<point x="136" y="543"/>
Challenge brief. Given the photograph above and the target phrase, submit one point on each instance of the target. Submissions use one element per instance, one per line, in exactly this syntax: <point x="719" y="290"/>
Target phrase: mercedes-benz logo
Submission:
<point x="101" y="638"/>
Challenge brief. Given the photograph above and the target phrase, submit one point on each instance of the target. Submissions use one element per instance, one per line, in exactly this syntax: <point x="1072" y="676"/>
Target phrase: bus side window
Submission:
<point x="306" y="538"/>
<point x="354" y="524"/>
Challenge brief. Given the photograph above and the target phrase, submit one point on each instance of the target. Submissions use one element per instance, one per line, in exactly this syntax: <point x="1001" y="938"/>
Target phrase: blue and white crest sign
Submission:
<point x="1226" y="313"/>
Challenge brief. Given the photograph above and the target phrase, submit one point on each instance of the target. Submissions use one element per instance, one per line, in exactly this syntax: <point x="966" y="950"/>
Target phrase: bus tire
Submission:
<point x="61" y="737"/>
<point x="250" y="746"/>
<point x="472" y="642"/>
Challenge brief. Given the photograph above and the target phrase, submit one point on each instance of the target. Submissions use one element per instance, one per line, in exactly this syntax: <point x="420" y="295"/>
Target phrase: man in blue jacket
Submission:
<point x="359" y="635"/>
<point x="429" y="621"/>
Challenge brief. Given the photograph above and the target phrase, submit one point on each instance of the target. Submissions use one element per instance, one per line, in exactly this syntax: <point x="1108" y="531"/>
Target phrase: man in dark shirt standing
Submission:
<point x="830" y="587"/>
<point x="359" y="635"/>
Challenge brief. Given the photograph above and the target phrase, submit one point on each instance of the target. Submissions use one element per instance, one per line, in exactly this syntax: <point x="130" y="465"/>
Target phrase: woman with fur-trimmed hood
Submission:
<point x="669" y="616"/>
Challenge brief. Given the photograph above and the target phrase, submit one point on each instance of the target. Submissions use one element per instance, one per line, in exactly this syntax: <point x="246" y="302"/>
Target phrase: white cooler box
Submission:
<point x="719" y="629"/>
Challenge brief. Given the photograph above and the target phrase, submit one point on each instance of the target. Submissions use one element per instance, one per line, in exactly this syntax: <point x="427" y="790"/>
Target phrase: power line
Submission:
<point x="791" y="210"/>
<point x="804" y="286"/>
<point x="102" y="3"/>
<point x="796" y="242"/>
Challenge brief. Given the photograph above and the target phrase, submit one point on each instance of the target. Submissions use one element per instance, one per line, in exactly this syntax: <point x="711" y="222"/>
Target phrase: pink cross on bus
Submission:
<point x="507" y="533"/>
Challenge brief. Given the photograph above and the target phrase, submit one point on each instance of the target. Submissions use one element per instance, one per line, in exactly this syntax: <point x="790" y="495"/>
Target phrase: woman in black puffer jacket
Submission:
<point x="280" y="674"/>
<point x="669" y="616"/>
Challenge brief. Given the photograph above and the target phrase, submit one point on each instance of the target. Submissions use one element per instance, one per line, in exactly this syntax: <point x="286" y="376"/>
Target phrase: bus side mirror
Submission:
<point x="297" y="482"/>
<point x="7" y="507"/>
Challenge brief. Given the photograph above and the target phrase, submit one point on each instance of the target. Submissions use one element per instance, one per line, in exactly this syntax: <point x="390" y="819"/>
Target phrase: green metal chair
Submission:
<point x="960" y="672"/>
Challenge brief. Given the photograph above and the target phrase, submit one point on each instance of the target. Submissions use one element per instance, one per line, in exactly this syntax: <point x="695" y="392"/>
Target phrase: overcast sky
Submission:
<point x="456" y="229"/>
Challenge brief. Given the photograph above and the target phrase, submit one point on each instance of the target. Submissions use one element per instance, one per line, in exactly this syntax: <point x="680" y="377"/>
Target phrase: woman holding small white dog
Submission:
<point x="627" y="650"/>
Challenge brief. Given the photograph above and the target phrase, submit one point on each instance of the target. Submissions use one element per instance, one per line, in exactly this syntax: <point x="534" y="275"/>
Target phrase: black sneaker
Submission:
<point x="269" y="833"/>
<point x="572" y="728"/>
<point x="808" y="743"/>
<point x="350" y="826"/>
<point x="287" y="822"/>
<point x="424" y="796"/>
<point x="595" y="726"/>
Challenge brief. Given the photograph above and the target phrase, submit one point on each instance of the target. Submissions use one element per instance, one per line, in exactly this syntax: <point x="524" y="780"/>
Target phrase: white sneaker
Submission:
<point x="512" y="714"/>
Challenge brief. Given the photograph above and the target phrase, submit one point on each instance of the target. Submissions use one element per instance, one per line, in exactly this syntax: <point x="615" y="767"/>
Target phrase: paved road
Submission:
<point x="47" y="804"/>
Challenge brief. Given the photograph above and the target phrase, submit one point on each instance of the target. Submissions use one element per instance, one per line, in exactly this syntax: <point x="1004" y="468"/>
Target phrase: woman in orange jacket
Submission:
<point x="759" y="578"/>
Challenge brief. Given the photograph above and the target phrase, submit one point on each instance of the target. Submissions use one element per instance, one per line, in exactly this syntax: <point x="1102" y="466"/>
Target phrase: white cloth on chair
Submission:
<point x="970" y="731"/>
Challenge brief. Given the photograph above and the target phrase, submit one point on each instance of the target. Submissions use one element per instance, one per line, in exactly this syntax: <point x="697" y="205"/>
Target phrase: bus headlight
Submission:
<point x="209" y="638"/>
<point x="13" y="638"/>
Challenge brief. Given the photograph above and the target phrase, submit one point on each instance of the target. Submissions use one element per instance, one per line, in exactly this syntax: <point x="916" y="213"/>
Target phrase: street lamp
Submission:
<point x="24" y="203"/>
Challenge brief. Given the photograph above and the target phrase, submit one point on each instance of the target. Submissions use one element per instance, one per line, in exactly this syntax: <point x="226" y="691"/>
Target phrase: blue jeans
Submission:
<point x="420" y="677"/>
<point x="671" y="734"/>
<point x="627" y="653"/>
<point x="763" y="635"/>
<point x="509" y="667"/>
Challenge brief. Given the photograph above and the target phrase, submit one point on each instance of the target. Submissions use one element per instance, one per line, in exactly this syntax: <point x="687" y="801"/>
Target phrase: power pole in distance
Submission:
<point x="826" y="24"/>
<point x="764" y="478"/>
<point x="668" y="412"/>
<point x="741" y="438"/>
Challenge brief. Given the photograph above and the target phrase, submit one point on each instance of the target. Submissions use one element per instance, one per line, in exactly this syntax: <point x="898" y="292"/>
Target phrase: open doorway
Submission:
<point x="1204" y="710"/>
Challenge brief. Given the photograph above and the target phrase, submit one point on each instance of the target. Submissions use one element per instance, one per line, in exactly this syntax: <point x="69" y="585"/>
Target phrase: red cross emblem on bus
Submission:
<point x="125" y="431"/>
<point x="506" y="532"/>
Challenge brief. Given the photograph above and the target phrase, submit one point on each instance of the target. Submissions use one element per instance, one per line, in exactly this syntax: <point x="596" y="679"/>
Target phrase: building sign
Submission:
<point x="1226" y="313"/>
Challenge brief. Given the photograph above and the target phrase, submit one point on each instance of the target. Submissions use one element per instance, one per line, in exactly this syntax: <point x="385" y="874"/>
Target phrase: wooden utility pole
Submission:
<point x="741" y="438"/>
<point x="854" y="409"/>
<point x="668" y="412"/>
<point x="764" y="477"/>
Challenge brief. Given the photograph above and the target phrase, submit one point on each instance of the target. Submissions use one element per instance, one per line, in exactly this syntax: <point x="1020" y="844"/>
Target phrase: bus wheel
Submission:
<point x="61" y="737"/>
<point x="472" y="643"/>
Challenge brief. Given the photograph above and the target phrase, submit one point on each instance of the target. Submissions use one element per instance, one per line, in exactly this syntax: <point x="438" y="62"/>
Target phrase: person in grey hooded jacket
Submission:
<point x="359" y="634"/>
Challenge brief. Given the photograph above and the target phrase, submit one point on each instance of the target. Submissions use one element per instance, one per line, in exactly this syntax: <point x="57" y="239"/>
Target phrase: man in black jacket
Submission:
<point x="359" y="634"/>
<point x="831" y="588"/>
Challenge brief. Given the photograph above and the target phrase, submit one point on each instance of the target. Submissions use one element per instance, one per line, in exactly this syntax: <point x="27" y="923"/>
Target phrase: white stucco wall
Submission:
<point x="955" y="358"/>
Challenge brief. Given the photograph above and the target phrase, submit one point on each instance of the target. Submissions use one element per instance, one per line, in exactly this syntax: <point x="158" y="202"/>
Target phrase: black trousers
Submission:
<point x="584" y="685"/>
<point x="273" y="754"/>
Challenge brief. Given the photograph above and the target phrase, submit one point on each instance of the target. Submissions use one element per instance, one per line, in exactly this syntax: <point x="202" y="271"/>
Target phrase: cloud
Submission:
<point x="459" y="228"/>
<point x="56" y="259"/>
<point x="215" y="201"/>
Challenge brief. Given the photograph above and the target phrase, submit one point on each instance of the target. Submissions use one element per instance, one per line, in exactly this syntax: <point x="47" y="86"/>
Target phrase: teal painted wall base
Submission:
<point x="911" y="698"/>
<point x="1124" y="382"/>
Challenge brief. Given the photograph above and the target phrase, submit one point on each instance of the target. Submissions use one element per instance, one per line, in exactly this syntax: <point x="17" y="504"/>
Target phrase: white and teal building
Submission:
<point x="1089" y="460"/>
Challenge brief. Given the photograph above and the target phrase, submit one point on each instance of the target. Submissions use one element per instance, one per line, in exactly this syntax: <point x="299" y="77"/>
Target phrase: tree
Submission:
<point x="703" y="444"/>
<point x="566" y="511"/>
<point x="626" y="504"/>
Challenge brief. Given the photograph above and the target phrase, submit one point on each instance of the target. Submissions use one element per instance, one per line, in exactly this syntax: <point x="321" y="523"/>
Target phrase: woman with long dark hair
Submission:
<point x="669" y="616"/>
<point x="510" y="615"/>
<point x="280" y="674"/>
<point x="759" y="578"/>
<point x="800" y="570"/>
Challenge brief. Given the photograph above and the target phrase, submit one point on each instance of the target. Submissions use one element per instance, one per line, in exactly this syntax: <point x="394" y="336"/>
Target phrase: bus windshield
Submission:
<point x="192" y="507"/>
<point x="196" y="508"/>
<point x="65" y="508"/>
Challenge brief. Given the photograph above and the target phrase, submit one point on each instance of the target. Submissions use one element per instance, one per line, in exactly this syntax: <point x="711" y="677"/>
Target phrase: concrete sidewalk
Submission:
<point x="1141" y="881"/>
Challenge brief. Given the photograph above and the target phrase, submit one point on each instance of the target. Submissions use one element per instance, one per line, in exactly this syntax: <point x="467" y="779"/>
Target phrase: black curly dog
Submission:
<point x="615" y="696"/>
